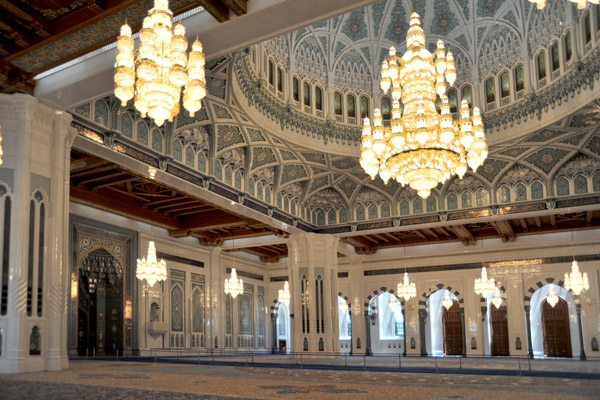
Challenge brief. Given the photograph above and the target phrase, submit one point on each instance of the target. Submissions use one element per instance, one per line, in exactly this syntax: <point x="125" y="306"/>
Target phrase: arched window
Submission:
<point x="189" y="156"/>
<point x="280" y="79"/>
<point x="331" y="218"/>
<point x="555" y="60"/>
<point x="541" y="65"/>
<point x="519" y="78"/>
<point x="562" y="186"/>
<point x="360" y="213"/>
<point x="344" y="321"/>
<point x="520" y="192"/>
<point x="581" y="184"/>
<point x="431" y="204"/>
<point x="438" y="104"/>
<point x="157" y="140"/>
<point x="452" y="201"/>
<point x="466" y="199"/>
<point x="404" y="207"/>
<point x="271" y="73"/>
<point x="391" y="321"/>
<point x="417" y="206"/>
<point x="318" y="98"/>
<point x="504" y="85"/>
<point x="385" y="210"/>
<point x="351" y="105"/>
<point x="386" y="108"/>
<point x="453" y="100"/>
<point x="467" y="94"/>
<point x="504" y="194"/>
<point x="321" y="218"/>
<point x="337" y="103"/>
<point x="306" y="90"/>
<point x="596" y="182"/>
<point x="343" y="215"/>
<point x="587" y="29"/>
<point x="490" y="91"/>
<point x="364" y="107"/>
<point x="537" y="190"/>
<point x="372" y="211"/>
<point x="296" y="84"/>
<point x="142" y="134"/>
<point x="481" y="197"/>
<point x="568" y="46"/>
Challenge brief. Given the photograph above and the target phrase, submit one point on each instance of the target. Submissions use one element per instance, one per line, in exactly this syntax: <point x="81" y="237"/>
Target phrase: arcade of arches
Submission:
<point x="266" y="179"/>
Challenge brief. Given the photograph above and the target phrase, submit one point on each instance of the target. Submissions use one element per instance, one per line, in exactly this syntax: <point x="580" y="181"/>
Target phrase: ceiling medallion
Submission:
<point x="421" y="147"/>
<point x="162" y="67"/>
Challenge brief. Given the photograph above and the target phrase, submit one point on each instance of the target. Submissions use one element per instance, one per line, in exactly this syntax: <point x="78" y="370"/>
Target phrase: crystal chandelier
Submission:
<point x="393" y="303"/>
<point x="234" y="286"/>
<point x="343" y="306"/>
<point x="284" y="294"/>
<point x="162" y="67"/>
<point x="483" y="285"/>
<point x="406" y="290"/>
<point x="581" y="4"/>
<point x="150" y="268"/>
<point x="576" y="281"/>
<point x="447" y="301"/>
<point x="552" y="297"/>
<point x="497" y="299"/>
<point x="421" y="148"/>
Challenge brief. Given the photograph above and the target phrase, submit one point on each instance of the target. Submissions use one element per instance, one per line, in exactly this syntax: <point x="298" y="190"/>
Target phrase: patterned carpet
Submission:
<point x="128" y="380"/>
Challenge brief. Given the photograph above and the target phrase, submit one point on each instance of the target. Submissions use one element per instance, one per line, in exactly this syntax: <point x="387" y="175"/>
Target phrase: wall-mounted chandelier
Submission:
<point x="150" y="268"/>
<point x="552" y="297"/>
<point x="576" y="281"/>
<point x="483" y="285"/>
<point x="497" y="298"/>
<point x="284" y="294"/>
<point x="406" y="290"/>
<point x="447" y="301"/>
<point x="421" y="147"/>
<point x="156" y="72"/>
<point x="581" y="4"/>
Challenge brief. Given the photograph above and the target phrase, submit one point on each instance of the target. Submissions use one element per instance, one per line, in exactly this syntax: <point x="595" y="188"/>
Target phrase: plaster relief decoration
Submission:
<point x="197" y="310"/>
<point x="246" y="317"/>
<point x="325" y="199"/>
<point x="235" y="157"/>
<point x="198" y="137"/>
<point x="177" y="293"/>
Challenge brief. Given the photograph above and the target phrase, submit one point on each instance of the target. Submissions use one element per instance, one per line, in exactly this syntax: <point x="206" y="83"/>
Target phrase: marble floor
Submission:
<point x="93" y="379"/>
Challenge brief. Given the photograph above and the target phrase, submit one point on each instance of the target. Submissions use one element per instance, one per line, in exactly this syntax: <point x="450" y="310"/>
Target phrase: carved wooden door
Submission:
<point x="557" y="334"/>
<point x="453" y="332"/>
<point x="499" y="325"/>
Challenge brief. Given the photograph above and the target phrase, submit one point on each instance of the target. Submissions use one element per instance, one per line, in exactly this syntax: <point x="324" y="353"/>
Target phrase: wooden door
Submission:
<point x="499" y="325"/>
<point x="557" y="334"/>
<point x="453" y="332"/>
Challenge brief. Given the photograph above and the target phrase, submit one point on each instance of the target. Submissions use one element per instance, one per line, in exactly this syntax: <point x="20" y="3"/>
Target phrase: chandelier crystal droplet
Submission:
<point x="155" y="74"/>
<point x="150" y="268"/>
<point x="421" y="147"/>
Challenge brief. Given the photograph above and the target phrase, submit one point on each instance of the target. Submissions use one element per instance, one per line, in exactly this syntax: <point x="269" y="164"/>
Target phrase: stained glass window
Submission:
<point x="490" y="91"/>
<point x="562" y="186"/>
<point x="417" y="206"/>
<point x="568" y="46"/>
<point x="364" y="107"/>
<point x="319" y="98"/>
<point x="555" y="57"/>
<point x="537" y="190"/>
<point x="306" y="90"/>
<point x="541" y="65"/>
<point x="504" y="85"/>
<point x="296" y="85"/>
<point x="351" y="104"/>
<point x="386" y="108"/>
<point x="467" y="94"/>
<point x="453" y="100"/>
<point x="271" y="73"/>
<point x="587" y="31"/>
<point x="280" y="79"/>
<point x="337" y="103"/>
<point x="519" y="78"/>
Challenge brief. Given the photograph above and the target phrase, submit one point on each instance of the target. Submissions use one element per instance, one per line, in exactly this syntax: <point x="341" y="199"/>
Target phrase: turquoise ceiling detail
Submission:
<point x="594" y="145"/>
<point x="318" y="158"/>
<point x="255" y="135"/>
<point x="319" y="183"/>
<point x="544" y="136"/>
<point x="228" y="135"/>
<point x="262" y="156"/>
<point x="348" y="186"/>
<point x="398" y="26"/>
<point x="287" y="155"/>
<point x="464" y="6"/>
<point x="184" y="118"/>
<point x="443" y="20"/>
<point x="546" y="159"/>
<point x="292" y="172"/>
<point x="221" y="112"/>
<point x="491" y="168"/>
<point x="355" y="27"/>
<point x="377" y="13"/>
<point x="514" y="152"/>
<point x="488" y="8"/>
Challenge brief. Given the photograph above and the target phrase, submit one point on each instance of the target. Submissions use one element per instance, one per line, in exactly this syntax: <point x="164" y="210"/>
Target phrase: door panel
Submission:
<point x="453" y="332"/>
<point x="557" y="334"/>
<point x="499" y="325"/>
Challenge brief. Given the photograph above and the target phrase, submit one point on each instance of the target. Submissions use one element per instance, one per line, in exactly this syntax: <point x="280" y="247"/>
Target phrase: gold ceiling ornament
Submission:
<point x="421" y="147"/>
<point x="161" y="67"/>
<point x="497" y="299"/>
<point x="343" y="305"/>
<point x="552" y="297"/>
<point x="150" y="268"/>
<point x="447" y="301"/>
<point x="283" y="295"/>
<point x="393" y="303"/>
<point x="581" y="4"/>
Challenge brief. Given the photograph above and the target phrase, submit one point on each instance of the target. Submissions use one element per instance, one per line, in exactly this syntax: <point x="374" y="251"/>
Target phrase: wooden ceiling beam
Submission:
<point x="465" y="236"/>
<point x="109" y="177"/>
<point x="239" y="7"/>
<point x="588" y="218"/>
<point x="111" y="183"/>
<point x="24" y="11"/>
<point x="432" y="233"/>
<point x="524" y="225"/>
<point x="216" y="8"/>
<point x="553" y="221"/>
<point x="538" y="222"/>
<point x="213" y="220"/>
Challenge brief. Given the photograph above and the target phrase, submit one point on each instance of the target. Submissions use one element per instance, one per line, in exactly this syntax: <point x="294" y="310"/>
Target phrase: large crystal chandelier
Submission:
<point x="447" y="301"/>
<point x="406" y="290"/>
<point x="234" y="286"/>
<point x="421" y="148"/>
<point x="162" y="67"/>
<point x="576" y="281"/>
<point x="150" y="268"/>
<point x="483" y="285"/>
<point x="284" y="294"/>
<point x="552" y="297"/>
<point x="581" y="4"/>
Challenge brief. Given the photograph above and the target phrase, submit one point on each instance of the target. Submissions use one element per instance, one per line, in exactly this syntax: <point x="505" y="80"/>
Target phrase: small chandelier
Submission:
<point x="552" y="297"/>
<point x="483" y="285"/>
<point x="162" y="67"/>
<point x="234" y="286"/>
<point x="406" y="290"/>
<point x="447" y="301"/>
<point x="576" y="281"/>
<point x="150" y="268"/>
<point x="497" y="299"/>
<point x="284" y="294"/>
<point x="393" y="303"/>
<point x="343" y="306"/>
<point x="421" y="147"/>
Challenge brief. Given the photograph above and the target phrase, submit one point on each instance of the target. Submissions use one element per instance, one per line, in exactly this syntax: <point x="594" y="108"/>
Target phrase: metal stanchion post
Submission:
<point x="529" y="362"/>
<point x="117" y="354"/>
<point x="364" y="362"/>
<point x="399" y="361"/>
<point x="519" y="360"/>
<point x="460" y="366"/>
<point x="345" y="362"/>
<point x="155" y="351"/>
<point x="436" y="366"/>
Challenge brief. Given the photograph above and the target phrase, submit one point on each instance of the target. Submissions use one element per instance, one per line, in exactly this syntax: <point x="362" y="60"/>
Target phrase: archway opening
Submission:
<point x="446" y="335"/>
<point x="386" y="322"/>
<point x="345" y="326"/>
<point x="283" y="329"/>
<point x="497" y="329"/>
